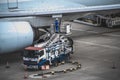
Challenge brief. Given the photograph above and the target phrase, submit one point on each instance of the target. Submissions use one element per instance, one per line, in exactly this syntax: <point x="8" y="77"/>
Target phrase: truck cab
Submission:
<point x="34" y="57"/>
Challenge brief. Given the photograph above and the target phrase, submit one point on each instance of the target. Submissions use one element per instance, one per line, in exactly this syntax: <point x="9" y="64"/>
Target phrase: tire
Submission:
<point x="55" y="63"/>
<point x="47" y="63"/>
<point x="68" y="57"/>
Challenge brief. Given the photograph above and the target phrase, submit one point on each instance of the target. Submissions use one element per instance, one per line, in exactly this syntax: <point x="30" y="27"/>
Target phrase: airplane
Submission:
<point x="19" y="19"/>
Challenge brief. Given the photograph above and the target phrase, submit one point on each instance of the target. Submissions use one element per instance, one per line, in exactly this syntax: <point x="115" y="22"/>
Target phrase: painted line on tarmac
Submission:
<point x="106" y="34"/>
<point x="101" y="45"/>
<point x="113" y="35"/>
<point x="85" y="30"/>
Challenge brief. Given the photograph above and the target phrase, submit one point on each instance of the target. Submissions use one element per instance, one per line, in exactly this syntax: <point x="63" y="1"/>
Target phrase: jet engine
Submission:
<point x="16" y="35"/>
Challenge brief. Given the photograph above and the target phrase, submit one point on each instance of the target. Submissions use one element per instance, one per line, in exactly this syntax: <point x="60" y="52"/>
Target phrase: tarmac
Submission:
<point x="96" y="48"/>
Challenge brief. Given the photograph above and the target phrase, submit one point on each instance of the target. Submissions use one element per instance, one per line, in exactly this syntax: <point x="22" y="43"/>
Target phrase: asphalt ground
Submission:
<point x="96" y="48"/>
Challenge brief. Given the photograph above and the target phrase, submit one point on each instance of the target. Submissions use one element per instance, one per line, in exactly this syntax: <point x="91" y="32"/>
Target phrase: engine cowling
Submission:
<point x="15" y="36"/>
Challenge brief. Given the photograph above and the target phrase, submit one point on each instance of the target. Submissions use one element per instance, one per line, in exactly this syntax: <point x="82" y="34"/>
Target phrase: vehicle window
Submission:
<point x="29" y="54"/>
<point x="41" y="53"/>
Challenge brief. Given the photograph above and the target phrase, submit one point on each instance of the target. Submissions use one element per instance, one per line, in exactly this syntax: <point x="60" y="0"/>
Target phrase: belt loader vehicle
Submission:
<point x="52" y="52"/>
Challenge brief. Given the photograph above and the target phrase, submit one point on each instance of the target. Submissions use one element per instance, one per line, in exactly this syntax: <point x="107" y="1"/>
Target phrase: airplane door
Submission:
<point x="12" y="4"/>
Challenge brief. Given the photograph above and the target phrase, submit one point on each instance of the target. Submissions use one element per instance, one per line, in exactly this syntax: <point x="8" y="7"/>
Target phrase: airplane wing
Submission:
<point x="38" y="13"/>
<point x="49" y="7"/>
